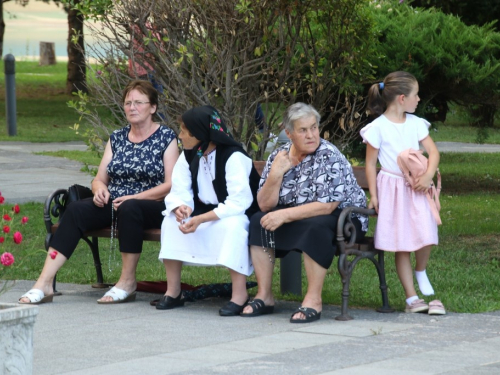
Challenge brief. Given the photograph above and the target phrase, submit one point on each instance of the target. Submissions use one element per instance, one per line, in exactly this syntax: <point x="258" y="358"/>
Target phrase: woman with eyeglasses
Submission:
<point x="129" y="190"/>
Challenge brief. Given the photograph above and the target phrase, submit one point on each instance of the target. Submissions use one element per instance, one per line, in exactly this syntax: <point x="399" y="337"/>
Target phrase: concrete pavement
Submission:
<point x="74" y="335"/>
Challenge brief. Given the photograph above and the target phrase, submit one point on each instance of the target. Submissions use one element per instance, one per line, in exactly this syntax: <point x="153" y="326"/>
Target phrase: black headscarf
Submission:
<point x="207" y="126"/>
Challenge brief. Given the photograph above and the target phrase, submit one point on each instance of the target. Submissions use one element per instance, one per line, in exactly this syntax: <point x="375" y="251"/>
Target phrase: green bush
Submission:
<point x="453" y="62"/>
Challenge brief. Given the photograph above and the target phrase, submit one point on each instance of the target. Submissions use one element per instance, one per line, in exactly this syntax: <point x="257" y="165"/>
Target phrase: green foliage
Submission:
<point x="237" y="53"/>
<point x="90" y="9"/>
<point x="453" y="62"/>
<point x="477" y="12"/>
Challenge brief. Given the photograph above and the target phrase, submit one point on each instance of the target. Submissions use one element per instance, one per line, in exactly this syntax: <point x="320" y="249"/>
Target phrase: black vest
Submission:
<point x="222" y="155"/>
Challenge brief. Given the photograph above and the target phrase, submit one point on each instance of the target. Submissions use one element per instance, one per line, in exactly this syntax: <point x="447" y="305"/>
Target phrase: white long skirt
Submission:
<point x="222" y="242"/>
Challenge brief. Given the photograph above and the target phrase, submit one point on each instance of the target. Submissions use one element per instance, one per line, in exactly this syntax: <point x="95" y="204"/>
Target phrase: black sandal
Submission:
<point x="259" y="308"/>
<point x="310" y="314"/>
<point x="232" y="309"/>
<point x="167" y="302"/>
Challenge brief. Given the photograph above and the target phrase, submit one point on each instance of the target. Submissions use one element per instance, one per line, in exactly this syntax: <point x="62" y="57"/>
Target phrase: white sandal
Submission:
<point x="36" y="297"/>
<point x="118" y="295"/>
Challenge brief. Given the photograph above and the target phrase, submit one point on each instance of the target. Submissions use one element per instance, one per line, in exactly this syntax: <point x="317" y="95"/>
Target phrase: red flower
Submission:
<point x="2" y="239"/>
<point x="7" y="259"/>
<point x="18" y="237"/>
<point x="53" y="254"/>
<point x="24" y="220"/>
<point x="2" y="199"/>
<point x="6" y="229"/>
<point x="7" y="217"/>
<point x="16" y="209"/>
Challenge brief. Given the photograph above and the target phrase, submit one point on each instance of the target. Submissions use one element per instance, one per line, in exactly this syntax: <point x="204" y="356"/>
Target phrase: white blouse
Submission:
<point x="239" y="199"/>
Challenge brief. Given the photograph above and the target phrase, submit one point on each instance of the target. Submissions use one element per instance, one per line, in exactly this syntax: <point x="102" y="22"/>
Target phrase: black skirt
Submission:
<point x="314" y="236"/>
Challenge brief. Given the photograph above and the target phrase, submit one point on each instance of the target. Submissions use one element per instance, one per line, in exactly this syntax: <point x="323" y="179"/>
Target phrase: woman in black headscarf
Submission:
<point x="207" y="211"/>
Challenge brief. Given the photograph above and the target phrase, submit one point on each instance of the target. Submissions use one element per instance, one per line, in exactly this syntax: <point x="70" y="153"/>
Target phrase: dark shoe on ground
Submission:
<point x="259" y="308"/>
<point x="168" y="303"/>
<point x="310" y="314"/>
<point x="232" y="309"/>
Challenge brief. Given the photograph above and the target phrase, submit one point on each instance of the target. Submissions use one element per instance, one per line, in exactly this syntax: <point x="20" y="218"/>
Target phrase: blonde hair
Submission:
<point x="380" y="95"/>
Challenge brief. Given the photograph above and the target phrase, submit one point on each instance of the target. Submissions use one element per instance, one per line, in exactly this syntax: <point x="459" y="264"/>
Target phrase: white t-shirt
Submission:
<point x="391" y="138"/>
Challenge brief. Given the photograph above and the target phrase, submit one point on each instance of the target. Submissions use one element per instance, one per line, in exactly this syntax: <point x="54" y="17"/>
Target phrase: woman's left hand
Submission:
<point x="273" y="220"/>
<point x="190" y="225"/>
<point x="118" y="201"/>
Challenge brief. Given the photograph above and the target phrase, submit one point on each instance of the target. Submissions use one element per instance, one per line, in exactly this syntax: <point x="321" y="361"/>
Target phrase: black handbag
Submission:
<point x="75" y="193"/>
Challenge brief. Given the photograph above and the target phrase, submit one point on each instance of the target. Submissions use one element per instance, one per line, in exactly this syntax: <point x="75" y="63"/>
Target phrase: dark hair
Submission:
<point x="144" y="87"/>
<point x="380" y="95"/>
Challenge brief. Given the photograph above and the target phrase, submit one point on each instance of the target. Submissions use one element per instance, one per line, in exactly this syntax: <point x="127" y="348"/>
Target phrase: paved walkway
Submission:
<point x="74" y="335"/>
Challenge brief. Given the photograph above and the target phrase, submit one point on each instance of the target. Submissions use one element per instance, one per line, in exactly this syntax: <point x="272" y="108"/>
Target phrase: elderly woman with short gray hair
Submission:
<point x="304" y="186"/>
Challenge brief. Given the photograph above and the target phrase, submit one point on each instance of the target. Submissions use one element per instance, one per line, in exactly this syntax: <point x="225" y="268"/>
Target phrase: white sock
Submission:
<point x="423" y="283"/>
<point x="411" y="299"/>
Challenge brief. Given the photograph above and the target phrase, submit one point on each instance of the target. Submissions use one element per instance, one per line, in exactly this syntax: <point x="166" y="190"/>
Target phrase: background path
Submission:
<point x="26" y="177"/>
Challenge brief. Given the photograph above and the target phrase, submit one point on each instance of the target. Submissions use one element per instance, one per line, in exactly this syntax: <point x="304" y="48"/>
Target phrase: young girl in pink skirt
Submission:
<point x="405" y="221"/>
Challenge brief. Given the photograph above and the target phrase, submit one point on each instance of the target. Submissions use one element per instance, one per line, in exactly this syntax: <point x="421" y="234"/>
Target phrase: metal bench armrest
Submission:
<point x="345" y="227"/>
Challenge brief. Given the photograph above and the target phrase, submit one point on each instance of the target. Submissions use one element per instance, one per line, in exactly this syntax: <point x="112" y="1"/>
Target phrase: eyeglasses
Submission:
<point x="136" y="103"/>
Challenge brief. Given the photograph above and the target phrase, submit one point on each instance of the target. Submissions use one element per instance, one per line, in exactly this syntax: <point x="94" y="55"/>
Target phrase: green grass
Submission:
<point x="42" y="111"/>
<point x="464" y="267"/>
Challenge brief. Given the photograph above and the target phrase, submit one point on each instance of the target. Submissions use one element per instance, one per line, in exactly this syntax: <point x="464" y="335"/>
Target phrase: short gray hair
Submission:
<point x="297" y="111"/>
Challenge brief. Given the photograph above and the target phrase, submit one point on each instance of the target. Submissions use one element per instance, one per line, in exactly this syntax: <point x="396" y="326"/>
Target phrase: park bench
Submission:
<point x="349" y="252"/>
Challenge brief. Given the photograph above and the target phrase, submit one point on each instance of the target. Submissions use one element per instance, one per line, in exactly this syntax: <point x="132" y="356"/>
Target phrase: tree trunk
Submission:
<point x="2" y="28"/>
<point x="47" y="53"/>
<point x="76" y="54"/>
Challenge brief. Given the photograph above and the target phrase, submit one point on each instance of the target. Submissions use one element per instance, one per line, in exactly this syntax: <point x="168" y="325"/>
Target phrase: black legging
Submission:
<point x="133" y="215"/>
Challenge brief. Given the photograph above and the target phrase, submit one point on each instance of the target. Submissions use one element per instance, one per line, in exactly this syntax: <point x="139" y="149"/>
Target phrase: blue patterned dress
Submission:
<point x="137" y="167"/>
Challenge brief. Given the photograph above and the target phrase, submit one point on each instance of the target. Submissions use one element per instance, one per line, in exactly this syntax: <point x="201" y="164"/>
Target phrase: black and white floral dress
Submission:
<point x="137" y="167"/>
<point x="323" y="176"/>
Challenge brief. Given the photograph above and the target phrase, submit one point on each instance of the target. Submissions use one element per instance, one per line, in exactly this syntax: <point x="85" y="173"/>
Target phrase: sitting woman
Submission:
<point x="304" y="186"/>
<point x="132" y="181"/>
<point x="207" y="216"/>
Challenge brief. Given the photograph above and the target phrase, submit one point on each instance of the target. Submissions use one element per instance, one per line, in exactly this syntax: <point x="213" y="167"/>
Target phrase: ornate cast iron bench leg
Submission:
<point x="386" y="308"/>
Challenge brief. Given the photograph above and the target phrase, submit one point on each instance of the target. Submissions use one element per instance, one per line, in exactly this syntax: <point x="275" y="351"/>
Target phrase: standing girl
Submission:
<point x="405" y="221"/>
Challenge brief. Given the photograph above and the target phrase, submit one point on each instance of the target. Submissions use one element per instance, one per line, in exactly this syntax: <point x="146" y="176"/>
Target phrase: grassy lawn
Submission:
<point x="42" y="111"/>
<point x="464" y="267"/>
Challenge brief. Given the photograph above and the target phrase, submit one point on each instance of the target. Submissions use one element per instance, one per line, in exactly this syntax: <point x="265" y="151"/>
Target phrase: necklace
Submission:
<point x="112" y="243"/>
<point x="268" y="245"/>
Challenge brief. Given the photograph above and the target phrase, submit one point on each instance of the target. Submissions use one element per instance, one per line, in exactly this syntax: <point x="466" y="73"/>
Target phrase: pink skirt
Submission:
<point x="405" y="221"/>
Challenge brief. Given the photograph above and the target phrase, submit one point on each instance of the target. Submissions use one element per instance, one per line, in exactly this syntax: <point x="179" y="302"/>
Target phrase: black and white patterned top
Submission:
<point x="137" y="167"/>
<point x="324" y="176"/>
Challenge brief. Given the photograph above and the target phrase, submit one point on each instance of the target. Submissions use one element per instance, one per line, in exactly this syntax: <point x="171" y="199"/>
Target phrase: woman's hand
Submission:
<point x="191" y="225"/>
<point x="273" y="220"/>
<point x="373" y="204"/>
<point x="118" y="201"/>
<point x="182" y="213"/>
<point x="281" y="163"/>
<point x="101" y="197"/>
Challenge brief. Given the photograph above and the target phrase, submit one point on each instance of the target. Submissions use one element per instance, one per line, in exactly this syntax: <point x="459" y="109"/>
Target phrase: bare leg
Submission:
<point x="405" y="273"/>
<point x="127" y="280"/>
<point x="422" y="257"/>
<point x="264" y="274"/>
<point x="315" y="279"/>
<point x="173" y="269"/>
<point x="240" y="294"/>
<point x="46" y="279"/>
